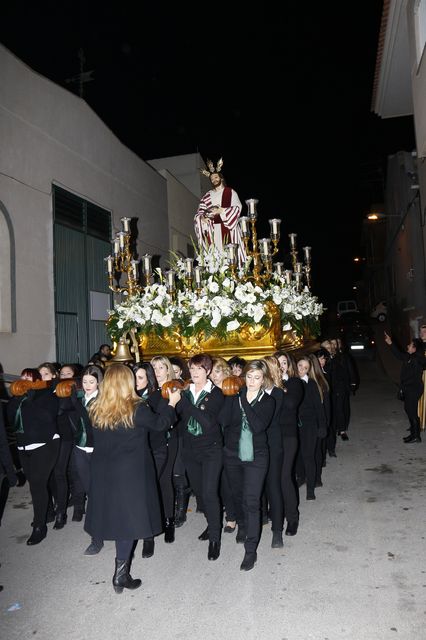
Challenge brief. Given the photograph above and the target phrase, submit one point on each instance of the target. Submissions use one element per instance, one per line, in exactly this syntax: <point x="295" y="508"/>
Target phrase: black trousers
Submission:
<point x="308" y="442"/>
<point x="411" y="400"/>
<point x="288" y="481"/>
<point x="273" y="488"/>
<point x="38" y="465"/>
<point x="58" y="482"/>
<point x="204" y="466"/>
<point x="227" y="498"/>
<point x="246" y="480"/>
<point x="80" y="461"/>
<point x="164" y="458"/>
<point x="319" y="458"/>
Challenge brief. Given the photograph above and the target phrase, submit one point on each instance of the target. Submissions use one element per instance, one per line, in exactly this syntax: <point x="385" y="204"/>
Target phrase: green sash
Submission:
<point x="245" y="445"/>
<point x="19" y="425"/>
<point x="194" y="426"/>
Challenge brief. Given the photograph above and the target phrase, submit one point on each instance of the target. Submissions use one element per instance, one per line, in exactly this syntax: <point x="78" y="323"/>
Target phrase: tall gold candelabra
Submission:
<point x="123" y="262"/>
<point x="260" y="251"/>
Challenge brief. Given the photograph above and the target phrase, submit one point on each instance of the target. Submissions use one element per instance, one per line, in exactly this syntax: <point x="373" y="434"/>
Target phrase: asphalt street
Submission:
<point x="356" y="569"/>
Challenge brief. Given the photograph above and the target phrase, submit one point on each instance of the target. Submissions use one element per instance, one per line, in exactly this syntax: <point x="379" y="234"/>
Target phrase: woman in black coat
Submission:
<point x="33" y="417"/>
<point x="245" y="419"/>
<point x="123" y="502"/>
<point x="201" y="435"/>
<point x="293" y="396"/>
<point x="413" y="364"/>
<point x="312" y="422"/>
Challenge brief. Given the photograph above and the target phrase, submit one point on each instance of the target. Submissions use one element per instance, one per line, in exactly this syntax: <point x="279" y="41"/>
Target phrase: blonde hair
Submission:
<point x="274" y="370"/>
<point x="167" y="363"/>
<point x="259" y="365"/>
<point x="222" y="364"/>
<point x="117" y="400"/>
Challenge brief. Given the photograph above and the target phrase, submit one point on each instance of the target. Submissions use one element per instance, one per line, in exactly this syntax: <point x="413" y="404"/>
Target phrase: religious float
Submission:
<point x="211" y="304"/>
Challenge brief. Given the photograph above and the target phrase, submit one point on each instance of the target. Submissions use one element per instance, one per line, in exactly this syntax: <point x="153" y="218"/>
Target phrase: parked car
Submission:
<point x="380" y="311"/>
<point x="358" y="334"/>
<point x="346" y="306"/>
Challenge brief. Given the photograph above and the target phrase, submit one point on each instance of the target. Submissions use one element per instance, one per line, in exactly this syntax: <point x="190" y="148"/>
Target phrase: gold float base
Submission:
<point x="248" y="342"/>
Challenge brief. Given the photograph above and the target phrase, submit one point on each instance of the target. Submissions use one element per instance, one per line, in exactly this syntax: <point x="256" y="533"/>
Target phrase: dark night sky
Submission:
<point x="283" y="96"/>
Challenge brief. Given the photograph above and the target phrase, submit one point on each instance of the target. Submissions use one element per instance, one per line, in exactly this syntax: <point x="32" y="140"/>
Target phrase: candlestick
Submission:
<point x="188" y="267"/>
<point x="109" y="260"/>
<point x="279" y="268"/>
<point x="135" y="264"/>
<point x="197" y="274"/>
<point x="307" y="254"/>
<point x="292" y="237"/>
<point x="287" y="276"/>
<point x="265" y="246"/>
<point x="146" y="264"/>
<point x="275" y="228"/>
<point x="251" y="206"/>
<point x="299" y="267"/>
<point x="231" y="250"/>
<point x="125" y="223"/>
<point x="121" y="239"/>
<point x="170" y="280"/>
<point x="244" y="224"/>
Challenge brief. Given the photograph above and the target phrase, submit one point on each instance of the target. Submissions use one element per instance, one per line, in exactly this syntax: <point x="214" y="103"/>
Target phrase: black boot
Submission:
<point x="60" y="521"/>
<point x="182" y="498"/>
<point x="169" y="530"/>
<point x="249" y="561"/>
<point x="241" y="535"/>
<point x="78" y="513"/>
<point x="277" y="540"/>
<point x="38" y="534"/>
<point x="148" y="548"/>
<point x="122" y="578"/>
<point x="214" y="550"/>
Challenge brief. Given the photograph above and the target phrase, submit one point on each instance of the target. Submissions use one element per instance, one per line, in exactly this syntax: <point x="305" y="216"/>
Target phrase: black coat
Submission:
<point x="293" y="396"/>
<point x="312" y="411"/>
<point x="259" y="418"/>
<point x="274" y="433"/>
<point x="411" y="369"/>
<point x="206" y="414"/>
<point x="39" y="411"/>
<point x="123" y="501"/>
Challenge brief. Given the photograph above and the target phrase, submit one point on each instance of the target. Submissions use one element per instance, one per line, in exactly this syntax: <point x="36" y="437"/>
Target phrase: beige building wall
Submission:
<point x="50" y="136"/>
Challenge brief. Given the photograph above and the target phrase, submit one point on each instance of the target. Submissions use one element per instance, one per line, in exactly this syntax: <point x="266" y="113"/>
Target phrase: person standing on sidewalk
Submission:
<point x="413" y="364"/>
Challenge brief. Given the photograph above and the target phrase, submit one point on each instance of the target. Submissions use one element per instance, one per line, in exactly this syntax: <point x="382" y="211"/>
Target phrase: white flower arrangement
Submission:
<point x="221" y="306"/>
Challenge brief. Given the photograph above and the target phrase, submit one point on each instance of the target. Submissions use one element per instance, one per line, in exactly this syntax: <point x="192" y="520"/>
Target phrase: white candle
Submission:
<point x="109" y="260"/>
<point x="135" y="264"/>
<point x="287" y="276"/>
<point x="244" y="224"/>
<point x="147" y="263"/>
<point x="307" y="253"/>
<point x="125" y="222"/>
<point x="279" y="268"/>
<point x="197" y="272"/>
<point x="264" y="246"/>
<point x="170" y="275"/>
<point x="121" y="237"/>
<point x="251" y="206"/>
<point x="299" y="267"/>
<point x="292" y="237"/>
<point x="188" y="266"/>
<point x="116" y="246"/>
<point x="275" y="228"/>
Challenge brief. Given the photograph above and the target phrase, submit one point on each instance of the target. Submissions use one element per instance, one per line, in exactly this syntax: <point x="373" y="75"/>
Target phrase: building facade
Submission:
<point x="65" y="182"/>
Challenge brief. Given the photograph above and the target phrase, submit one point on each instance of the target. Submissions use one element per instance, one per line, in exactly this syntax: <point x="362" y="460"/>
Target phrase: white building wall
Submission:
<point x="48" y="135"/>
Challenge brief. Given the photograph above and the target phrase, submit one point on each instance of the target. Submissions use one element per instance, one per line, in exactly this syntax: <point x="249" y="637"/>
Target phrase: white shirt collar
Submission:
<point x="305" y="378"/>
<point x="207" y="387"/>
